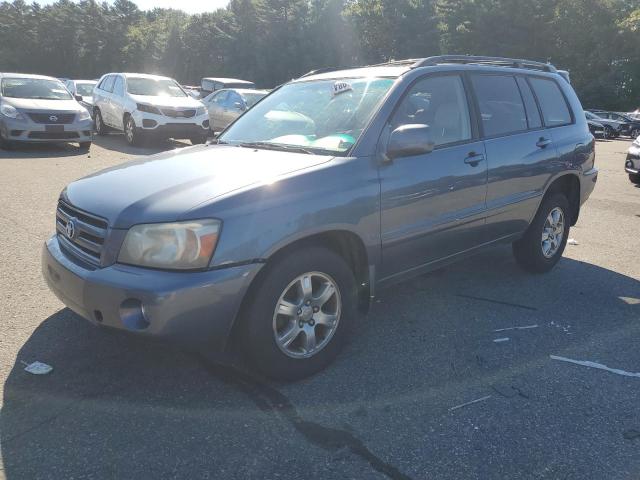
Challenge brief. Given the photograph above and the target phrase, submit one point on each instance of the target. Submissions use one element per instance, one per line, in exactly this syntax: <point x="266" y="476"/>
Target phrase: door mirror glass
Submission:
<point x="78" y="98"/>
<point x="408" y="140"/>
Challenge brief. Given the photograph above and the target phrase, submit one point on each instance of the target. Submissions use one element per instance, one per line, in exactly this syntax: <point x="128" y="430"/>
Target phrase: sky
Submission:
<point x="189" y="6"/>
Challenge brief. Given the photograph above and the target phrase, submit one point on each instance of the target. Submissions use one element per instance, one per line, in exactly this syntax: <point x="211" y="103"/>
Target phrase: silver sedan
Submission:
<point x="226" y="105"/>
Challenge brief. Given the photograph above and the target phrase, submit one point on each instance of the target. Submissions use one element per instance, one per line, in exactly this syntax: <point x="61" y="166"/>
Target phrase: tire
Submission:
<point x="634" y="178"/>
<point x="529" y="251"/>
<point x="198" y="140"/>
<point x="85" y="146"/>
<point x="635" y="133"/>
<point x="261" y="323"/>
<point x="5" y="144"/>
<point x="101" y="128"/>
<point x="131" y="133"/>
<point x="608" y="132"/>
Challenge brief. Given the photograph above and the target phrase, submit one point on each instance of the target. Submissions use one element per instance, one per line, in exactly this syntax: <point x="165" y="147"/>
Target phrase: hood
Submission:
<point x="163" y="187"/>
<point x="176" y="102"/>
<point x="48" y="105"/>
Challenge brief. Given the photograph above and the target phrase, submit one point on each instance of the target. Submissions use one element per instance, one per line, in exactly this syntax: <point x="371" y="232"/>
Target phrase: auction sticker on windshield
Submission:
<point x="341" y="87"/>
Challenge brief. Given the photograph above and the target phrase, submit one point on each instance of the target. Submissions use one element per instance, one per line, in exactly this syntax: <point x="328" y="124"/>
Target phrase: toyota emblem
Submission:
<point x="70" y="229"/>
<point x="53" y="118"/>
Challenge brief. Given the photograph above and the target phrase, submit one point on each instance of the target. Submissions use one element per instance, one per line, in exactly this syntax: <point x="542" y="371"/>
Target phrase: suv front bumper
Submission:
<point x="161" y="125"/>
<point x="192" y="308"/>
<point x="29" y="131"/>
<point x="632" y="162"/>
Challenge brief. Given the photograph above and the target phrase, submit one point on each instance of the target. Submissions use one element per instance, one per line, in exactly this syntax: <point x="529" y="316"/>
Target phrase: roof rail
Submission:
<point x="497" y="61"/>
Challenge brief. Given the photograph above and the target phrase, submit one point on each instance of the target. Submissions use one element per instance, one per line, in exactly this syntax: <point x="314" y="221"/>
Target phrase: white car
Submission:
<point x="82" y="90"/>
<point x="144" y="106"/>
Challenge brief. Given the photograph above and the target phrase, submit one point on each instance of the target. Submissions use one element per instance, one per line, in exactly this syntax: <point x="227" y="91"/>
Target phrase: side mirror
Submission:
<point x="78" y="98"/>
<point x="408" y="140"/>
<point x="240" y="106"/>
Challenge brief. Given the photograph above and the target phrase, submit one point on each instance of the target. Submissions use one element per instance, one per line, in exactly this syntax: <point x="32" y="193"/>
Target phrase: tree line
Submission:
<point x="272" y="41"/>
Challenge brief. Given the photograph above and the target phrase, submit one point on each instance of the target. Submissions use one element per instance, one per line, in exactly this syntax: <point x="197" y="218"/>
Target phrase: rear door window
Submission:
<point x="501" y="107"/>
<point x="555" y="110"/>
<point x="107" y="84"/>
<point x="439" y="102"/>
<point x="533" y="114"/>
<point x="118" y="86"/>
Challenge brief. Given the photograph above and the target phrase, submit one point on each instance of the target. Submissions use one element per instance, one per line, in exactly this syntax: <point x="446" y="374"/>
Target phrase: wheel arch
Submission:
<point x="345" y="243"/>
<point x="569" y="185"/>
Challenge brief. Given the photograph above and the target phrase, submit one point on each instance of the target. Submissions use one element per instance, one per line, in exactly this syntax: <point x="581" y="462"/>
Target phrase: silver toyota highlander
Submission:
<point x="35" y="108"/>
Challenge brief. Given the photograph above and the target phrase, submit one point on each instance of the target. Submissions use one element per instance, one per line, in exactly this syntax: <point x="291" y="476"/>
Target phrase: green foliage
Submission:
<point x="271" y="41"/>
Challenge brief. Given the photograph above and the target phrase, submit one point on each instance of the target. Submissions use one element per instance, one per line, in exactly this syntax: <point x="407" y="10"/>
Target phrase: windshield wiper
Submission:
<point x="277" y="146"/>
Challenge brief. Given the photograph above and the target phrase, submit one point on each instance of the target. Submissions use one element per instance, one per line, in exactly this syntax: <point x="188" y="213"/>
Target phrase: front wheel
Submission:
<point x="300" y="314"/>
<point x="608" y="132"/>
<point x="634" y="178"/>
<point x="542" y="245"/>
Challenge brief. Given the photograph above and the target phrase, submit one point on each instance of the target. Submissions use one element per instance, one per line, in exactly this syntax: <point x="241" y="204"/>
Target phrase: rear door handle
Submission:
<point x="543" y="142"/>
<point x="474" y="159"/>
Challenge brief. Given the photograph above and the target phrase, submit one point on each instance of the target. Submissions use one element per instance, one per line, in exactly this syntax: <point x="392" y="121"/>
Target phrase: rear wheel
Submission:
<point x="131" y="132"/>
<point x="101" y="128"/>
<point x="634" y="178"/>
<point x="300" y="314"/>
<point x="542" y="245"/>
<point x="608" y="132"/>
<point x="635" y="133"/>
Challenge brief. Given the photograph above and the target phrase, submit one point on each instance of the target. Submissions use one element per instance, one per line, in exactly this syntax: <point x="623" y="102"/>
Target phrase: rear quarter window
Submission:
<point x="553" y="104"/>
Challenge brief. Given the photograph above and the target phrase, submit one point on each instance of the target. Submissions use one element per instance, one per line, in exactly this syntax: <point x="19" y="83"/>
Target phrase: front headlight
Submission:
<point x="173" y="246"/>
<point x="10" y="111"/>
<point x="143" y="107"/>
<point x="84" y="115"/>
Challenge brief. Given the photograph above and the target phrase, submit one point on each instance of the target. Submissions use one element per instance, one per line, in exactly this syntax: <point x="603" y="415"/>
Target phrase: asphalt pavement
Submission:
<point x="422" y="391"/>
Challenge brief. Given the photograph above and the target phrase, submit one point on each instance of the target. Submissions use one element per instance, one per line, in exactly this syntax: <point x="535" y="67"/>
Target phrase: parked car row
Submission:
<point x="139" y="105"/>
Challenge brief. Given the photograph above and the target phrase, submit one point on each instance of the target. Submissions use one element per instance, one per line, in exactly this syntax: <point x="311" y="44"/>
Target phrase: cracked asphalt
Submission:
<point x="119" y="407"/>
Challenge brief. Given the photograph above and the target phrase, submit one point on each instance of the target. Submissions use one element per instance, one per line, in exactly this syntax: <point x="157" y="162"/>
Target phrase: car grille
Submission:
<point x="53" y="118"/>
<point x="177" y="112"/>
<point x="53" y="135"/>
<point x="89" y="233"/>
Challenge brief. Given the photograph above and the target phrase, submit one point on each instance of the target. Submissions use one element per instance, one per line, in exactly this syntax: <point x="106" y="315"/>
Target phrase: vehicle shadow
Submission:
<point x="43" y="150"/>
<point x="117" y="406"/>
<point x="116" y="142"/>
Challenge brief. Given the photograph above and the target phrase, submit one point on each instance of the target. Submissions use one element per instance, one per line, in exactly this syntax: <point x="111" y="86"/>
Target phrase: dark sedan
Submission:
<point x="630" y="126"/>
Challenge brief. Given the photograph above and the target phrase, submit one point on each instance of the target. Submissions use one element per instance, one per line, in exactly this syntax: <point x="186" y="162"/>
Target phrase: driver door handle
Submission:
<point x="474" y="159"/>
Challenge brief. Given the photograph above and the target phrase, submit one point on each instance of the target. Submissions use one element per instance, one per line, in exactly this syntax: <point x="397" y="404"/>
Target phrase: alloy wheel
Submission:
<point x="307" y="315"/>
<point x="552" y="232"/>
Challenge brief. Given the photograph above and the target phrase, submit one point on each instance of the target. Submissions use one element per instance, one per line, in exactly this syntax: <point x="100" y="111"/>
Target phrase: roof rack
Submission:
<point x="497" y="61"/>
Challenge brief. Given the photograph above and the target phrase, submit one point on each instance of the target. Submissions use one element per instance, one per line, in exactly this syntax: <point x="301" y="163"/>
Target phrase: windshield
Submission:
<point x="35" y="88"/>
<point x="326" y="115"/>
<point x="85" y="89"/>
<point x="252" y="98"/>
<point x="154" y="87"/>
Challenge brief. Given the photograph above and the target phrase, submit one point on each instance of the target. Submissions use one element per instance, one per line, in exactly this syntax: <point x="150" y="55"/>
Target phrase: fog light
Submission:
<point x="148" y="123"/>
<point x="629" y="164"/>
<point x="132" y="314"/>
